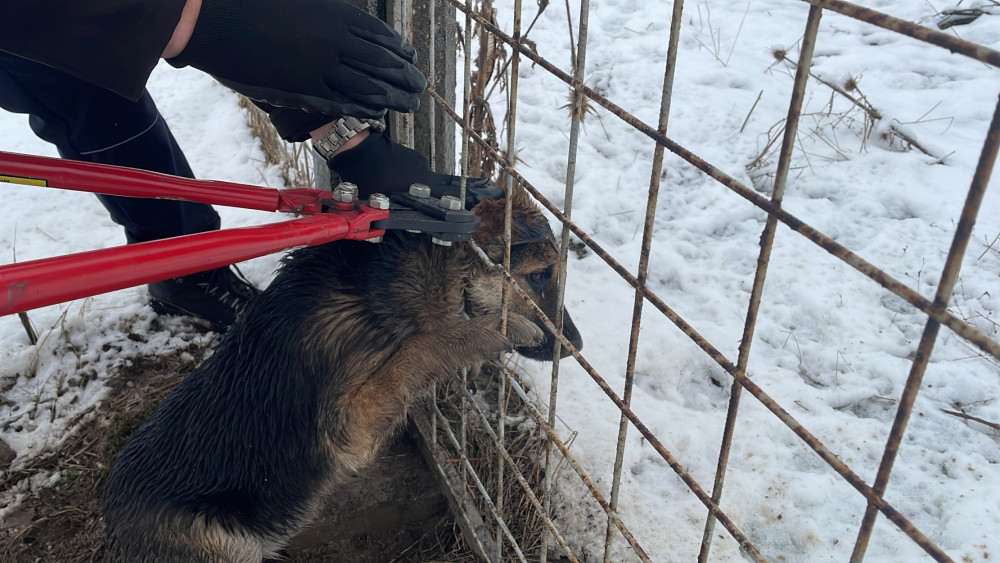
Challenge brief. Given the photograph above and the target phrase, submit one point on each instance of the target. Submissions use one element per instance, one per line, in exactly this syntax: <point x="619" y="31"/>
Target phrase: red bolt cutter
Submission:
<point x="37" y="283"/>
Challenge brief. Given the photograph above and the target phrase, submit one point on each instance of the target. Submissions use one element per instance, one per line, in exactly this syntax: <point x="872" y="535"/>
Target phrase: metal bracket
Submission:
<point x="427" y="216"/>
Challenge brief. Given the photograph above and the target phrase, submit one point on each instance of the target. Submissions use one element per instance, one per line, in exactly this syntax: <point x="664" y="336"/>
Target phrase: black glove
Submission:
<point x="293" y="125"/>
<point x="379" y="165"/>
<point x="323" y="56"/>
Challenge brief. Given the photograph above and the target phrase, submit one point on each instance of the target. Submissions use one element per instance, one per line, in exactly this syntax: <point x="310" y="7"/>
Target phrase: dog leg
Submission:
<point x="371" y="410"/>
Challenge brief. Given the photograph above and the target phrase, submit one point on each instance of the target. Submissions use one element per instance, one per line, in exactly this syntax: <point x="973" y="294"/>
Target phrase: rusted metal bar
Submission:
<point x="505" y="457"/>
<point x="935" y="311"/>
<point x="763" y="259"/>
<point x="553" y="437"/>
<point x="949" y="277"/>
<point x="467" y="516"/>
<point x="432" y="72"/>
<point x="471" y="472"/>
<point x="576" y="113"/>
<point x="908" y="28"/>
<point x="693" y="485"/>
<point x="807" y="437"/>
<point x="466" y="96"/>
<point x="958" y="326"/>
<point x="564" y="450"/>
<point x="507" y="237"/>
<point x="811" y="441"/>
<point x="584" y="237"/>
<point x="831" y="459"/>
<point x="432" y="113"/>
<point x="463" y="182"/>
<point x="647" y="243"/>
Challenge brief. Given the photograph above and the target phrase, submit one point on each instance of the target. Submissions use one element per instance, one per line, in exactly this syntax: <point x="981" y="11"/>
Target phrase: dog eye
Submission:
<point x="539" y="280"/>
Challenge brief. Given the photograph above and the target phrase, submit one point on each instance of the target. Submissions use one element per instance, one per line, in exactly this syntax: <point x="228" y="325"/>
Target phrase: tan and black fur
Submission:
<point x="311" y="380"/>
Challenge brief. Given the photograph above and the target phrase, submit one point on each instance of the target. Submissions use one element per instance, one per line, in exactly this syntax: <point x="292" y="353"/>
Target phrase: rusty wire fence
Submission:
<point x="488" y="530"/>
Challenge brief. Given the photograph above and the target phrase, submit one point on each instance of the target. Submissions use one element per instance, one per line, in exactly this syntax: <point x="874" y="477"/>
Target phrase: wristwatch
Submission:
<point x="343" y="129"/>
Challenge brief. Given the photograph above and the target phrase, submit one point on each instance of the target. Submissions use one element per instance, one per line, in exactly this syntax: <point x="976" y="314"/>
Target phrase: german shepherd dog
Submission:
<point x="313" y="377"/>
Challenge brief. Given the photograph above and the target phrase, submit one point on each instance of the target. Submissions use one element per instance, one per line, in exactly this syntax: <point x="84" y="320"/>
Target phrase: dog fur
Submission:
<point x="314" y="376"/>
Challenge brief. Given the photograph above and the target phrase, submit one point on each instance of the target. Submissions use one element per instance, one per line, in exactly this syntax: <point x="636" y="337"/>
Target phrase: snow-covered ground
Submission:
<point x="831" y="346"/>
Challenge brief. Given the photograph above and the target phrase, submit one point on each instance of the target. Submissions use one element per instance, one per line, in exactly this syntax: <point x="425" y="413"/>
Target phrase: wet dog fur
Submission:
<point x="312" y="379"/>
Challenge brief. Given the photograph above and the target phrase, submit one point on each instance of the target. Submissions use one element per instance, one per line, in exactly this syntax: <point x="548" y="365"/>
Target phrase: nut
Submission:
<point x="345" y="192"/>
<point x="451" y="202"/>
<point x="420" y="190"/>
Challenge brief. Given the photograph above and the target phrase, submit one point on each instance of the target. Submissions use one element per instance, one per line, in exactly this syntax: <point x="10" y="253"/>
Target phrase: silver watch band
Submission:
<point x="343" y="129"/>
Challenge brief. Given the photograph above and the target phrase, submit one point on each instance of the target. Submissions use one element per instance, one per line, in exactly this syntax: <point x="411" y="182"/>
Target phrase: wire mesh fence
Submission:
<point x="494" y="474"/>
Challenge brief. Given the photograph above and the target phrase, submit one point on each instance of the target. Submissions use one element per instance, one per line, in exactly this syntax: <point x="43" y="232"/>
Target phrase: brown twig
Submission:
<point x="753" y="107"/>
<point x="992" y="425"/>
<point x="26" y="323"/>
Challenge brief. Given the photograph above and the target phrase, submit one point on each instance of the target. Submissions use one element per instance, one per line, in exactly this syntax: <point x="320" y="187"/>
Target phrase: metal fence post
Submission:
<point x="432" y="133"/>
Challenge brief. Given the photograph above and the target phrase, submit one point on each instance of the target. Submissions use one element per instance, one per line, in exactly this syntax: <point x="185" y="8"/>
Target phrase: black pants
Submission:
<point x="86" y="122"/>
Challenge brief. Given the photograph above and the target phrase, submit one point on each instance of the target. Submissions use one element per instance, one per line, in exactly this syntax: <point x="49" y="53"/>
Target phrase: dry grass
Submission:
<point x="294" y="160"/>
<point x="836" y="131"/>
<point x="489" y="62"/>
<point x="524" y="443"/>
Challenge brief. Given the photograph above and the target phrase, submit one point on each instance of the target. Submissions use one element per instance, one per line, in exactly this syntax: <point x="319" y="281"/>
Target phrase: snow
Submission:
<point x="831" y="347"/>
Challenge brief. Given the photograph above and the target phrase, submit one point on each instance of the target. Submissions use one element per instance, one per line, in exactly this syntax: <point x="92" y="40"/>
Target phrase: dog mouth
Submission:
<point x="543" y="351"/>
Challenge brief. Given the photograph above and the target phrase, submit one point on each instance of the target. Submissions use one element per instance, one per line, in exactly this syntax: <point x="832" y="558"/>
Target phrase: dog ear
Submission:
<point x="489" y="236"/>
<point x="519" y="195"/>
<point x="528" y="224"/>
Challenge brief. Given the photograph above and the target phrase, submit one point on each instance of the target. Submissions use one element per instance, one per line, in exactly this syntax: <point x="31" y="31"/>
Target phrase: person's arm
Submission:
<point x="179" y="40"/>
<point x="112" y="43"/>
<point x="322" y="56"/>
<point x="183" y="30"/>
<point x="368" y="158"/>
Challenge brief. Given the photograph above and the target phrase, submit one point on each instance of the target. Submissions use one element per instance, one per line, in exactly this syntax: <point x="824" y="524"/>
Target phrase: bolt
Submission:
<point x="378" y="201"/>
<point x="420" y="190"/>
<point x="345" y="192"/>
<point x="451" y="202"/>
<point x="436" y="240"/>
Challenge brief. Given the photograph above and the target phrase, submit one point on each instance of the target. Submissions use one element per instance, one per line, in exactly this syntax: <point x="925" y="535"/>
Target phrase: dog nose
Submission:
<point x="571" y="333"/>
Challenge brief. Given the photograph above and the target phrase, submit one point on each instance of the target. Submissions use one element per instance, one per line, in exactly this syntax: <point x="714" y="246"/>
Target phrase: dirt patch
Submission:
<point x="393" y="513"/>
<point x="61" y="522"/>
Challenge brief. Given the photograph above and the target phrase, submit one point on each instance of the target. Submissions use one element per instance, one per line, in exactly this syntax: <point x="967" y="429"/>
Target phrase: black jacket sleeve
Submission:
<point x="111" y="43"/>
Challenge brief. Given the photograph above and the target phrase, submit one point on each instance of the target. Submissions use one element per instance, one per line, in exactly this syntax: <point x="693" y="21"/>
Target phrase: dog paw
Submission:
<point x="521" y="331"/>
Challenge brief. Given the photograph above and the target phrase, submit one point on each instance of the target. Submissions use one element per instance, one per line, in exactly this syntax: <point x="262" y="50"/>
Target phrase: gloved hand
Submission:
<point x="377" y="164"/>
<point x="322" y="56"/>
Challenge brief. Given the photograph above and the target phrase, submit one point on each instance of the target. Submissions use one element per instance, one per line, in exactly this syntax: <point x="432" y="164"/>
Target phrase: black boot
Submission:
<point x="216" y="296"/>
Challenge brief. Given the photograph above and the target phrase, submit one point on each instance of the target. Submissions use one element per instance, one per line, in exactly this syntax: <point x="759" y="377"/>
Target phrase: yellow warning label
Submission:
<point x="24" y="180"/>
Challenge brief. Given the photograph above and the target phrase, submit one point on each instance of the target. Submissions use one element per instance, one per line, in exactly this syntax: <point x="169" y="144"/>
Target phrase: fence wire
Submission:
<point x="506" y="545"/>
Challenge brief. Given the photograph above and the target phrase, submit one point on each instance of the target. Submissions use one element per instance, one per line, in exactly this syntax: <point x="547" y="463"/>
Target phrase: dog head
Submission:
<point x="534" y="265"/>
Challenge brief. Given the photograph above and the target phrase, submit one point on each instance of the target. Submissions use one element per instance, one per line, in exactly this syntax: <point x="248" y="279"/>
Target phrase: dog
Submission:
<point x="313" y="378"/>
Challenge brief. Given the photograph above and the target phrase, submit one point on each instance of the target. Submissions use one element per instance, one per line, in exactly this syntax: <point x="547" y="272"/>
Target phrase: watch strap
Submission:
<point x="344" y="129"/>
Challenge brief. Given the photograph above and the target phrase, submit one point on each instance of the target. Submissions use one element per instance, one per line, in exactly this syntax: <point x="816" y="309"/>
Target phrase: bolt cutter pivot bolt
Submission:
<point x="345" y="192"/>
<point x="378" y="201"/>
